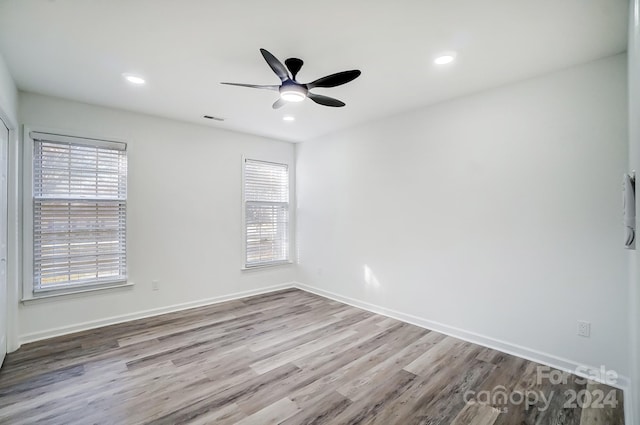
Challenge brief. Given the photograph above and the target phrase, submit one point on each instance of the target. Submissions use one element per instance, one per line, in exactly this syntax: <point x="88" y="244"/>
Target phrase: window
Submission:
<point x="266" y="213"/>
<point x="79" y="203"/>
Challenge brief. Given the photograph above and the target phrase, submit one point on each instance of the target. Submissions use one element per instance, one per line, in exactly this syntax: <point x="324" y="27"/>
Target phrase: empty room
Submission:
<point x="348" y="212"/>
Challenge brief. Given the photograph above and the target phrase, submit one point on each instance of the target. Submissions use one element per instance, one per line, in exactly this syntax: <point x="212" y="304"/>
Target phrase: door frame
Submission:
<point x="4" y="215"/>
<point x="14" y="232"/>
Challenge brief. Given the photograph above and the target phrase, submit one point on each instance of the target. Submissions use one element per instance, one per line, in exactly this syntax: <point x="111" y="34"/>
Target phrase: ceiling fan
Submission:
<point x="294" y="91"/>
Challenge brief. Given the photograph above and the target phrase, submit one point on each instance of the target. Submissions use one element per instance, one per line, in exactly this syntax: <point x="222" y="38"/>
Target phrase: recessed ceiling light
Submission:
<point x="288" y="118"/>
<point x="134" y="79"/>
<point x="445" y="59"/>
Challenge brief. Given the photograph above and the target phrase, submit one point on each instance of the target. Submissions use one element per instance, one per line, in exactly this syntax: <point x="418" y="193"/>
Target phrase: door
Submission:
<point x="4" y="142"/>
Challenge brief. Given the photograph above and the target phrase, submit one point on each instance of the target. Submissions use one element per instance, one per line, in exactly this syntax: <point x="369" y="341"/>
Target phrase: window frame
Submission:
<point x="248" y="267"/>
<point x="28" y="290"/>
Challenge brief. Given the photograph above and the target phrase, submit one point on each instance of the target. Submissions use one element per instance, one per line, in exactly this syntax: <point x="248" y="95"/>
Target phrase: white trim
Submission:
<point x="629" y="405"/>
<point x="70" y="133"/>
<point x="267" y="265"/>
<point x="4" y="243"/>
<point x="29" y="135"/>
<point x="64" y="330"/>
<point x="27" y="214"/>
<point x="47" y="295"/>
<point x="243" y="217"/>
<point x="14" y="244"/>
<point x="506" y="347"/>
<point x="61" y="137"/>
<point x="291" y="175"/>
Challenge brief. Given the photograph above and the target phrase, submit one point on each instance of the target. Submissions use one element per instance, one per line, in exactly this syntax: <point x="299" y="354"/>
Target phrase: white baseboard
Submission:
<point x="629" y="407"/>
<point x="64" y="330"/>
<point x="547" y="359"/>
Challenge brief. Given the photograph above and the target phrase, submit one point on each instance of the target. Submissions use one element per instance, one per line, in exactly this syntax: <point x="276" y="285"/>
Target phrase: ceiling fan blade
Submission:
<point x="334" y="80"/>
<point x="279" y="103"/>
<point x="254" y="86"/>
<point x="294" y="65"/>
<point x="275" y="65"/>
<point x="326" y="100"/>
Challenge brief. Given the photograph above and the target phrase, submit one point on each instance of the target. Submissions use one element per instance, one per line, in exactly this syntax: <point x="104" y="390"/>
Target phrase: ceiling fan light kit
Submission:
<point x="293" y="91"/>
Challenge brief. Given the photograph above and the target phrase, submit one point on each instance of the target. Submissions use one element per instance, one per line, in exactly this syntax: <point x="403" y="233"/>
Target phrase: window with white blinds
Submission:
<point x="79" y="212"/>
<point x="266" y="212"/>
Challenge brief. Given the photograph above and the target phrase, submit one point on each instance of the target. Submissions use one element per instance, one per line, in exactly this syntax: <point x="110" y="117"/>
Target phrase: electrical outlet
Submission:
<point x="155" y="285"/>
<point x="584" y="328"/>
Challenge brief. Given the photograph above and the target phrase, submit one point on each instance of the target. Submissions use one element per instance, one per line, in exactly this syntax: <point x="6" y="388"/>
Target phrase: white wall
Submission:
<point x="8" y="94"/>
<point x="183" y="213"/>
<point x="634" y="164"/>
<point x="498" y="214"/>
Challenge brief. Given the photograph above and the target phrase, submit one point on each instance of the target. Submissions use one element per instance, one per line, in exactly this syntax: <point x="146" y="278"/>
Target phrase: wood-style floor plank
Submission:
<point x="288" y="357"/>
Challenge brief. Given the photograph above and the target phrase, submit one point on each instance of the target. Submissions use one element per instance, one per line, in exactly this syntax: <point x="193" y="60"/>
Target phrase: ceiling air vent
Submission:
<point x="211" y="117"/>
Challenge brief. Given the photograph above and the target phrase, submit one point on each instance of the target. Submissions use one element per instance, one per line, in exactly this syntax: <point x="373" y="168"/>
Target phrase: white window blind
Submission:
<point x="79" y="212"/>
<point x="266" y="208"/>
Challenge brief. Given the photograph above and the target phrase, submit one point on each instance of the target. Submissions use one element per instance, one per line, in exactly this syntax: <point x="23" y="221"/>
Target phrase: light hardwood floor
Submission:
<point x="288" y="357"/>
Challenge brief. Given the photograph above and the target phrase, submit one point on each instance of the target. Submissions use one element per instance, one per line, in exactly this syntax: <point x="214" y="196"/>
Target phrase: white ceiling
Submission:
<point x="78" y="49"/>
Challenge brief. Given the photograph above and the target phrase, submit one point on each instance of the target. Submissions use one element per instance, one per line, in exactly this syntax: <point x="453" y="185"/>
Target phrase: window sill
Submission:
<point x="266" y="266"/>
<point x="73" y="293"/>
